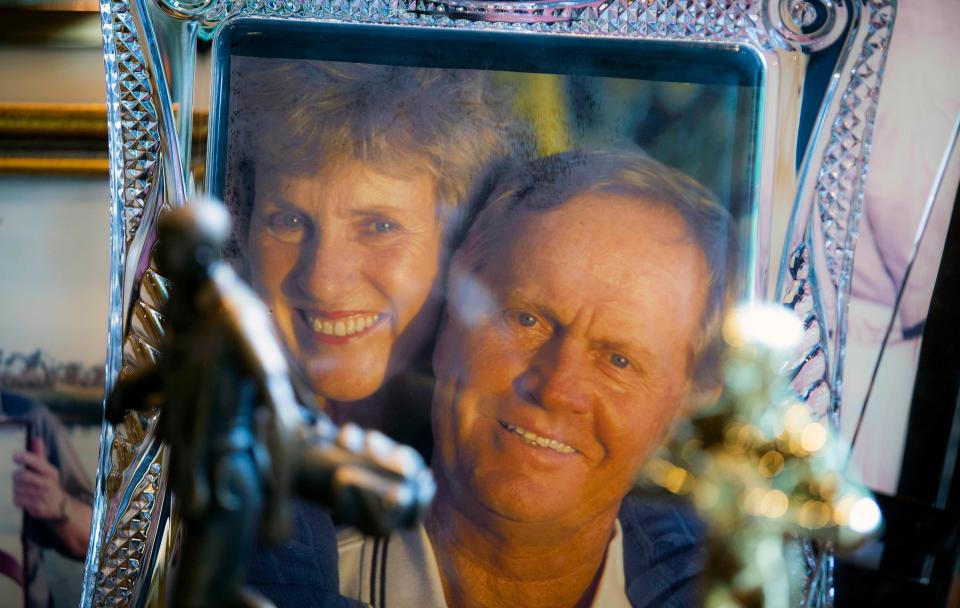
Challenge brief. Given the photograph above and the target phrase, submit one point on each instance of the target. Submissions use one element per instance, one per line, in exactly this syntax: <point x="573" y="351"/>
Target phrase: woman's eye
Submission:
<point x="285" y="221"/>
<point x="287" y="226"/>
<point x="619" y="361"/>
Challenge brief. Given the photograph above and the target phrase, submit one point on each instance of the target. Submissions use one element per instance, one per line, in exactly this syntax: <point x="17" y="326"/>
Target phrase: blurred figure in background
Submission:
<point x="53" y="490"/>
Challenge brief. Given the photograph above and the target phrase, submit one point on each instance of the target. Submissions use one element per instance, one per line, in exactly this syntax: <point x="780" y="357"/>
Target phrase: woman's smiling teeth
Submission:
<point x="534" y="439"/>
<point x="345" y="326"/>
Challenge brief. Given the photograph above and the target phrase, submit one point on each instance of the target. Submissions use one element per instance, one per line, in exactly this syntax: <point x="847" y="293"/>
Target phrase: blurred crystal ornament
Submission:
<point x="803" y="13"/>
<point x="761" y="471"/>
<point x="771" y="327"/>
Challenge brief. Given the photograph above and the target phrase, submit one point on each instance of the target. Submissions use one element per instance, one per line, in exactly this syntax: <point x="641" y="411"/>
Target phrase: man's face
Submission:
<point x="553" y="388"/>
<point x="347" y="259"/>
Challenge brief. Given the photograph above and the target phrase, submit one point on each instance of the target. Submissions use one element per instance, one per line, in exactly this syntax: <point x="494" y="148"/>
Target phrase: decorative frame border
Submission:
<point x="150" y="147"/>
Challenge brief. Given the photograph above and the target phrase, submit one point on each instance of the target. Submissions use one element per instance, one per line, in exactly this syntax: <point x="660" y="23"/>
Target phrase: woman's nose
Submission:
<point x="328" y="268"/>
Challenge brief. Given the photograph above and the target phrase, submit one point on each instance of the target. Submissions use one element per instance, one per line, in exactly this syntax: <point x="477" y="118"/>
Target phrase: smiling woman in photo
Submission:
<point x="349" y="183"/>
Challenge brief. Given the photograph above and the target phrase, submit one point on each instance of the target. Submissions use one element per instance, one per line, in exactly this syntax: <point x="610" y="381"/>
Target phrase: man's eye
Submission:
<point x="374" y="227"/>
<point x="526" y="319"/>
<point x="619" y="361"/>
<point x="527" y="325"/>
<point x="383" y="226"/>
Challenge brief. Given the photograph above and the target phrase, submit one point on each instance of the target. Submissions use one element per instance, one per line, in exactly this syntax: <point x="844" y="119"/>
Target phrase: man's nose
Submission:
<point x="327" y="267"/>
<point x="559" y="378"/>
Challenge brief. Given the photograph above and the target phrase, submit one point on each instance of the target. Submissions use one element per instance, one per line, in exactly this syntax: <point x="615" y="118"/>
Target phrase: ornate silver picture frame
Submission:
<point x="813" y="153"/>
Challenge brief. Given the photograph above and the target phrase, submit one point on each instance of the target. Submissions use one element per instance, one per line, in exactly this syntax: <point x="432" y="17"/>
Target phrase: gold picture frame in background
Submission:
<point x="67" y="139"/>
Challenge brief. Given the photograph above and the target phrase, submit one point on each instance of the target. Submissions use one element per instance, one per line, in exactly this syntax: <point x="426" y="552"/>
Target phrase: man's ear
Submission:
<point x="450" y="218"/>
<point x="702" y="397"/>
<point x="439" y="349"/>
<point x="469" y="299"/>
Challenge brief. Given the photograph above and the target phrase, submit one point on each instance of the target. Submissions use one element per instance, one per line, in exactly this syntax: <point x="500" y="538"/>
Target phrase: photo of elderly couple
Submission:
<point x="522" y="275"/>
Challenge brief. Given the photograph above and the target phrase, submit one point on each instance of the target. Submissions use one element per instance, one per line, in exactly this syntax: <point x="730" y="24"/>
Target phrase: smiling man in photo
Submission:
<point x="582" y="319"/>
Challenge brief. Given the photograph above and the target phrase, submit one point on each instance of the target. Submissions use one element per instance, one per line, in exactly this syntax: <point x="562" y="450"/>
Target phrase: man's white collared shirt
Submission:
<point x="400" y="570"/>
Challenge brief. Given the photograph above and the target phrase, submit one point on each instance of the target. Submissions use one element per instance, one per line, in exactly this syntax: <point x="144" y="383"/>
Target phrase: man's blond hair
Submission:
<point x="553" y="181"/>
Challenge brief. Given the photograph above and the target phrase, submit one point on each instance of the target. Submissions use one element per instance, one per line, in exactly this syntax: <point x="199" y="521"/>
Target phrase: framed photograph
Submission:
<point x="14" y="437"/>
<point x="496" y="186"/>
<point x="401" y="175"/>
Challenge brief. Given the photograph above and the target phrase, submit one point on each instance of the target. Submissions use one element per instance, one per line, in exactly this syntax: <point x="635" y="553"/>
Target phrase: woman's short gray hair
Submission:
<point x="297" y="115"/>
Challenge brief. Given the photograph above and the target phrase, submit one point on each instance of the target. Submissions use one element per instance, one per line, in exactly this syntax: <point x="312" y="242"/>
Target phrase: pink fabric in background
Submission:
<point x="919" y="102"/>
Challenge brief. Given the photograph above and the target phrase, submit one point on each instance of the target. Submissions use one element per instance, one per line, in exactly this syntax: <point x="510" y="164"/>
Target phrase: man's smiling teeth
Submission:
<point x="537" y="440"/>
<point x="346" y="326"/>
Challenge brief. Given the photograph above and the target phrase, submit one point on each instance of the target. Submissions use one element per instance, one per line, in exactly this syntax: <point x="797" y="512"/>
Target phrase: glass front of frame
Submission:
<point x="508" y="250"/>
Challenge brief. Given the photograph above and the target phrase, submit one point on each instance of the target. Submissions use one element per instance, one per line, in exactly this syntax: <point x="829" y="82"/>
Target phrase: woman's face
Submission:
<point x="347" y="258"/>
